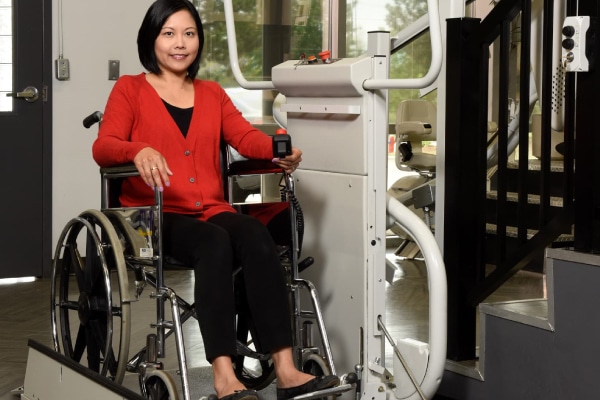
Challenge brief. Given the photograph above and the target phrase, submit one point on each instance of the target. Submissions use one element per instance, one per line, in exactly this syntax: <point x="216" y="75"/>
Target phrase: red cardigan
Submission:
<point x="135" y="117"/>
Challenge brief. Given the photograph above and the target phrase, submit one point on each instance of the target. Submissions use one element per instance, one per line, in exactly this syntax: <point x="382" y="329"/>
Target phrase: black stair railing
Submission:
<point x="468" y="75"/>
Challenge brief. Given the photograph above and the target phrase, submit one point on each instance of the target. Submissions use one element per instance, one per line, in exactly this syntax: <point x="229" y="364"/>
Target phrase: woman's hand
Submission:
<point x="291" y="162"/>
<point x="153" y="168"/>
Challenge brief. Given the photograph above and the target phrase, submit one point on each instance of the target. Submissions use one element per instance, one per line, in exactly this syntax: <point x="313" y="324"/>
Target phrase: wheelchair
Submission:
<point x="99" y="250"/>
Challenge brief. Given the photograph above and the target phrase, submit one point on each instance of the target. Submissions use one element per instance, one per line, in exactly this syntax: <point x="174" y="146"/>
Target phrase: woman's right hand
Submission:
<point x="153" y="168"/>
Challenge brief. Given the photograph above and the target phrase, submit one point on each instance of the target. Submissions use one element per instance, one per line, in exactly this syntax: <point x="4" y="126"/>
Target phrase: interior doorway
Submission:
<point x="25" y="127"/>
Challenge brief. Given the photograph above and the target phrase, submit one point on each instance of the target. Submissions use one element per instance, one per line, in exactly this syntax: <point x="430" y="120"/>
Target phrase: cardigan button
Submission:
<point x="192" y="180"/>
<point x="187" y="153"/>
<point x="197" y="204"/>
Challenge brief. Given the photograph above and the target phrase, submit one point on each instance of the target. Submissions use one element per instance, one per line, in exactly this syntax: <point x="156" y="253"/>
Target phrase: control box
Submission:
<point x="574" y="42"/>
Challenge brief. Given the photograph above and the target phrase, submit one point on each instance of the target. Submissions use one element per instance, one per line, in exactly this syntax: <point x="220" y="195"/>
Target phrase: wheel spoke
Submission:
<point x="111" y="362"/>
<point x="69" y="305"/>
<point x="100" y="329"/>
<point x="72" y="262"/>
<point x="80" y="344"/>
<point x="93" y="351"/>
<point x="93" y="268"/>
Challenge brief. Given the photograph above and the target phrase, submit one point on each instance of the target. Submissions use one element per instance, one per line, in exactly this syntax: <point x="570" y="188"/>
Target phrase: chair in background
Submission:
<point x="415" y="125"/>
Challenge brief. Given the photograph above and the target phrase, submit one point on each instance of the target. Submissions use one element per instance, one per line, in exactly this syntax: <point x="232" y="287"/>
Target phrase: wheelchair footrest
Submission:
<point x="334" y="391"/>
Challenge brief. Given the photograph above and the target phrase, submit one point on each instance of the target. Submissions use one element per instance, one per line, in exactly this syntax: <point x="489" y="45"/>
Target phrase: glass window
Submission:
<point x="6" y="55"/>
<point x="269" y="32"/>
<point x="215" y="54"/>
<point x="410" y="60"/>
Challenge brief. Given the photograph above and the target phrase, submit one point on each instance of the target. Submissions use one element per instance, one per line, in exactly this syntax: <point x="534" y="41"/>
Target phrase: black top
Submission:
<point x="182" y="117"/>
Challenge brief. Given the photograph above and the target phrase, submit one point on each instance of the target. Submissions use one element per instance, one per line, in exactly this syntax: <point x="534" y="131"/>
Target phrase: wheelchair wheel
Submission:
<point x="159" y="385"/>
<point x="89" y="291"/>
<point x="315" y="364"/>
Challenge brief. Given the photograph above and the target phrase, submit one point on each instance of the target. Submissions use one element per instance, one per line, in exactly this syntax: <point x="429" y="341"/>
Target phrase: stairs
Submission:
<point x="531" y="213"/>
<point x="540" y="348"/>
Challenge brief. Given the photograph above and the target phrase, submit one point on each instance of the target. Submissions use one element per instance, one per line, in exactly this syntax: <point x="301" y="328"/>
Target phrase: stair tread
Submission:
<point x="512" y="231"/>
<point x="531" y="198"/>
<point x="531" y="311"/>
<point x="536" y="165"/>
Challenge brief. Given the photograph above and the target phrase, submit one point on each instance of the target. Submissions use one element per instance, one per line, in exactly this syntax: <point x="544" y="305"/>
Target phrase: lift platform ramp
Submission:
<point x="53" y="376"/>
<point x="342" y="129"/>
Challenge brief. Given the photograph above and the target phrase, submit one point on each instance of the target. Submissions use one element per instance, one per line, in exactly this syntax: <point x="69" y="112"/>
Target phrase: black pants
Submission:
<point x="215" y="248"/>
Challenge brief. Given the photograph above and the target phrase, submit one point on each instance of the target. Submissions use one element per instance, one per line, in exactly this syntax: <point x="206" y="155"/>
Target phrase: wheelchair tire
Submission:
<point x="315" y="364"/>
<point x="88" y="292"/>
<point x="159" y="385"/>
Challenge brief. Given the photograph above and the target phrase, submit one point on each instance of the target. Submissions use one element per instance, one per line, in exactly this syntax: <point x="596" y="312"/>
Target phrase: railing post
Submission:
<point x="465" y="177"/>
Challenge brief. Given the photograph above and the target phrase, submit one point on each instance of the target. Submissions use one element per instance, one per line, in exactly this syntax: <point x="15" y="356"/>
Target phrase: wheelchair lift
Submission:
<point x="337" y="112"/>
<point x="342" y="129"/>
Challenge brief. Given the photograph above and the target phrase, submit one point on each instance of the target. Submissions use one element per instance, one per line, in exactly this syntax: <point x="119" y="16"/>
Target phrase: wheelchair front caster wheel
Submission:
<point x="89" y="290"/>
<point x="315" y="364"/>
<point x="158" y="385"/>
<point x="351" y="378"/>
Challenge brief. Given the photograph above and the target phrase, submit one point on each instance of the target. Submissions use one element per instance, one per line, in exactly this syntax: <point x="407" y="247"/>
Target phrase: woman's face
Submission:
<point x="176" y="46"/>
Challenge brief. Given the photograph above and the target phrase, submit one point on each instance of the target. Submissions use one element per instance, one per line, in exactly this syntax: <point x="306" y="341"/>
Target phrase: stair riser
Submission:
<point x="510" y="216"/>
<point x="556" y="182"/>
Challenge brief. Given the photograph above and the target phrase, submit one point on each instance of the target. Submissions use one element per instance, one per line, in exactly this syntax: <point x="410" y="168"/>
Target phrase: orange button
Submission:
<point x="325" y="55"/>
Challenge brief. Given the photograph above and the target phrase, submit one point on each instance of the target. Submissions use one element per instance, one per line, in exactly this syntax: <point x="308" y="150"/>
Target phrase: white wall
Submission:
<point x="93" y="33"/>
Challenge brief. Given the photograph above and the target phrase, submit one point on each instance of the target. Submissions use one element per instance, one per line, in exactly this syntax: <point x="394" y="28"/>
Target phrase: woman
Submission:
<point x="170" y="125"/>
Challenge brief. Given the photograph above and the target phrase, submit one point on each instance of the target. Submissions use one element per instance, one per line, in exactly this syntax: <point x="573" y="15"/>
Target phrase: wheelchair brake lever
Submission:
<point x="307" y="262"/>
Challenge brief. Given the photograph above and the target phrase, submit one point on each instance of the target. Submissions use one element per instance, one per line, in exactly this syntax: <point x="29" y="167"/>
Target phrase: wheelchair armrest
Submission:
<point x="119" y="171"/>
<point x="233" y="163"/>
<point x="252" y="167"/>
<point x="112" y="178"/>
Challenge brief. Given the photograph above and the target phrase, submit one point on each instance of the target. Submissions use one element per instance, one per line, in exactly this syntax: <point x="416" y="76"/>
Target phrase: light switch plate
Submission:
<point x="113" y="70"/>
<point x="62" y="69"/>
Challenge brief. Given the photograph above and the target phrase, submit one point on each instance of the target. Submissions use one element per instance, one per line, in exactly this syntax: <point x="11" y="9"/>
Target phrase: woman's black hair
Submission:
<point x="155" y="18"/>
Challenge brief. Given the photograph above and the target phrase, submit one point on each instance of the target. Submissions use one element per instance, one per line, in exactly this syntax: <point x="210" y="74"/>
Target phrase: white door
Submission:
<point x="26" y="138"/>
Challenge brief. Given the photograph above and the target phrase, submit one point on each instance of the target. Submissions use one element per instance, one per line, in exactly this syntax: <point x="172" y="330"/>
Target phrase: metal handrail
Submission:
<point x="436" y="276"/>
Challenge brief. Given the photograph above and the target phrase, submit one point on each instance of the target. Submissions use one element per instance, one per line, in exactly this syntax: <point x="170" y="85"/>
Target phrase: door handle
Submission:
<point x="30" y="94"/>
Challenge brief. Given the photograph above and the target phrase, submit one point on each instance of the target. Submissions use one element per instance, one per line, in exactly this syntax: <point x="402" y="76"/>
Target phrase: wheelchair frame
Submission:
<point x="99" y="301"/>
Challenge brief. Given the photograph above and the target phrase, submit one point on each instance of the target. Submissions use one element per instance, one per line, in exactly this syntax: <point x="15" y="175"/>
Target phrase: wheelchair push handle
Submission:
<point x="91" y="119"/>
